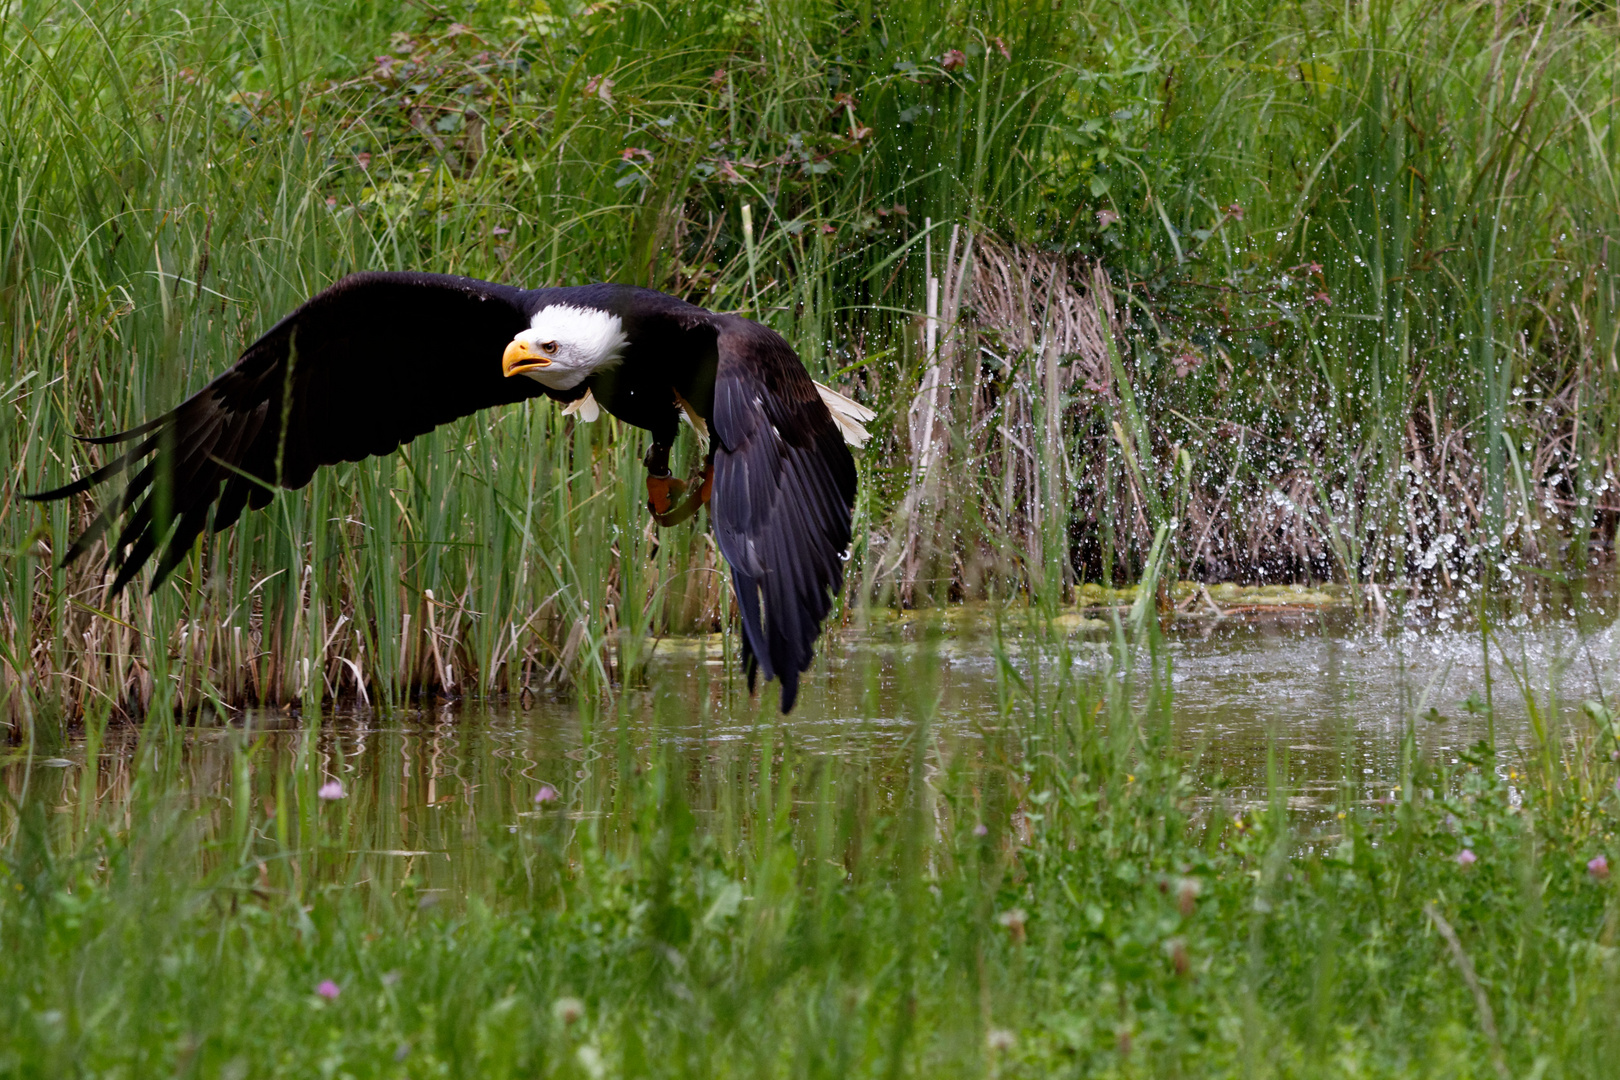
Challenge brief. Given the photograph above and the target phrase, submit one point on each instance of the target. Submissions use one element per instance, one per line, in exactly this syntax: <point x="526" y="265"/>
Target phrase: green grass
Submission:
<point x="1394" y="362"/>
<point x="757" y="906"/>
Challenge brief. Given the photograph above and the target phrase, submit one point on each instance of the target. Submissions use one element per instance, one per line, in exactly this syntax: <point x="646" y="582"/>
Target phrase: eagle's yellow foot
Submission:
<point x="662" y="491"/>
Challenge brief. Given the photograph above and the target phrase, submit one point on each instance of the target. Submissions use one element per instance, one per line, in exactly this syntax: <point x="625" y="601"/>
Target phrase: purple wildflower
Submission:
<point x="328" y="990"/>
<point x="546" y="794"/>
<point x="1598" y="868"/>
<point x="332" y="789"/>
<point x="1466" y="858"/>
<point x="981" y="829"/>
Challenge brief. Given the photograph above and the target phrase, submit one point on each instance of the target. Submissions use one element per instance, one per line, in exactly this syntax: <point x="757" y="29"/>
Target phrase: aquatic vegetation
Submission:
<point x="1055" y="889"/>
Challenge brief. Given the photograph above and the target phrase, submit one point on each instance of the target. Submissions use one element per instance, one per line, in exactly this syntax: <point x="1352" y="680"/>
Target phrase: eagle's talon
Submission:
<point x="662" y="491"/>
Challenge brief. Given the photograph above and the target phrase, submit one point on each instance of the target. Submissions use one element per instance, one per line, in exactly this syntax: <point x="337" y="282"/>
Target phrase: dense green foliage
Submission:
<point x="1365" y="316"/>
<point x="1049" y="894"/>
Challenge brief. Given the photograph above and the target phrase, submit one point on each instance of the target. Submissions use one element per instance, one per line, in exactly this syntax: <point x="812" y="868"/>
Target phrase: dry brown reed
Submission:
<point x="1018" y="424"/>
<point x="1014" y="345"/>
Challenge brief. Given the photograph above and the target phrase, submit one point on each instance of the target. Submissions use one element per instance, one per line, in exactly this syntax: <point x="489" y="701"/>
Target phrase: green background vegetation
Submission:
<point x="1359" y="253"/>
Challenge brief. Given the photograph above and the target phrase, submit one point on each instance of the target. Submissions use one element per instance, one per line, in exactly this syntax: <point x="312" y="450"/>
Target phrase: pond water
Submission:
<point x="1326" y="698"/>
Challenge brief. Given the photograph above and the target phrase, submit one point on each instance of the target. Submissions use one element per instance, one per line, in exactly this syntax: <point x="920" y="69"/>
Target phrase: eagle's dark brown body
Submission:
<point x="379" y="359"/>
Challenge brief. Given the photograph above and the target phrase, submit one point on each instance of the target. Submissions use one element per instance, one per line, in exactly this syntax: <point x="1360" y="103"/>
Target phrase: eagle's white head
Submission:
<point x="566" y="345"/>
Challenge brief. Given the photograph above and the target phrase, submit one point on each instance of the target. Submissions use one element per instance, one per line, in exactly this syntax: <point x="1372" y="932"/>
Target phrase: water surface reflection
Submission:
<point x="1329" y="699"/>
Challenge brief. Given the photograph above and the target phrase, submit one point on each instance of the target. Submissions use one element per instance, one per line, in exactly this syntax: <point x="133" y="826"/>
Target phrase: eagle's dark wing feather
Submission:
<point x="370" y="363"/>
<point x="784" y="491"/>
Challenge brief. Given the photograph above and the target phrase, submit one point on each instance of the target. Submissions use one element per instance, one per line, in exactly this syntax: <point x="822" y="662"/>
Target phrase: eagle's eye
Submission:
<point x="549" y="348"/>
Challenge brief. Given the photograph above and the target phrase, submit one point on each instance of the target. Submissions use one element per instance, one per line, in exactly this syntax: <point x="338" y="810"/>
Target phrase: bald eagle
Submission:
<point x="779" y="479"/>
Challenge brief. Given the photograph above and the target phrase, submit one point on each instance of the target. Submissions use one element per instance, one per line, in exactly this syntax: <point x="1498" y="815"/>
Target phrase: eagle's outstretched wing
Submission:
<point x="372" y="362"/>
<point x="784" y="493"/>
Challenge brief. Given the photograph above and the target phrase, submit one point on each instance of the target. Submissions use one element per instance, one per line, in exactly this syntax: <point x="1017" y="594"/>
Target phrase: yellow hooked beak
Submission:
<point x="520" y="356"/>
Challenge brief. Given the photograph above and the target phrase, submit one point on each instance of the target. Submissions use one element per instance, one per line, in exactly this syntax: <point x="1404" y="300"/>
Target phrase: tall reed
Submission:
<point x="1352" y="264"/>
